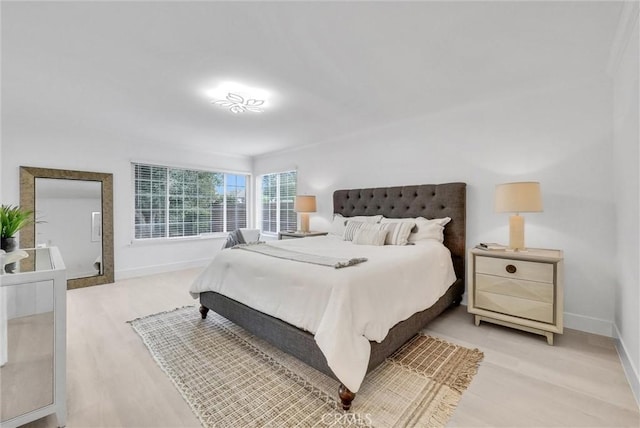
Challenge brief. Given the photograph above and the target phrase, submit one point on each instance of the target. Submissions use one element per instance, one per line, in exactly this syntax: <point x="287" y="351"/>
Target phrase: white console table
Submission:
<point x="33" y="337"/>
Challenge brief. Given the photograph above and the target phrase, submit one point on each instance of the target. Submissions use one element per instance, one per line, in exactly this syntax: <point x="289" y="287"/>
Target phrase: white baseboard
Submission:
<point x="630" y="370"/>
<point x="588" y="324"/>
<point x="155" y="269"/>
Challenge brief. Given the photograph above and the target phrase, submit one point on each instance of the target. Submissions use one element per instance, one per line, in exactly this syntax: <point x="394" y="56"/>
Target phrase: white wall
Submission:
<point x="72" y="147"/>
<point x="626" y="188"/>
<point x="559" y="135"/>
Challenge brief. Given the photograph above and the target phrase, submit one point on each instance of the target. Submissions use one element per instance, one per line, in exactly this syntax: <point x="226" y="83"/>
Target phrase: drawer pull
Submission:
<point x="511" y="269"/>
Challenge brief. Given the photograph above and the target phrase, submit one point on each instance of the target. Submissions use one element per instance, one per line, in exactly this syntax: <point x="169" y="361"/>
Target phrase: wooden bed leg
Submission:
<point x="346" y="397"/>
<point x="203" y="311"/>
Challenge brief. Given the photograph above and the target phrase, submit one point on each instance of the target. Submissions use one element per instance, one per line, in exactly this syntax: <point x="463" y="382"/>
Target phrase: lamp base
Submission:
<point x="516" y="233"/>
<point x="304" y="222"/>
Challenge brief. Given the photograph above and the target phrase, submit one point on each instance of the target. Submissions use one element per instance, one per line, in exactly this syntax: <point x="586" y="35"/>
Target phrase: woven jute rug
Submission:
<point x="231" y="378"/>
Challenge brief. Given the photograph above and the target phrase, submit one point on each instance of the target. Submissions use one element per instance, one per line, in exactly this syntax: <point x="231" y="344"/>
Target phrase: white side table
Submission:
<point x="33" y="310"/>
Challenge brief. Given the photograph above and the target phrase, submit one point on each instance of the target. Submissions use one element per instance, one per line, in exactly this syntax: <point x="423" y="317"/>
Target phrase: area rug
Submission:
<point x="231" y="378"/>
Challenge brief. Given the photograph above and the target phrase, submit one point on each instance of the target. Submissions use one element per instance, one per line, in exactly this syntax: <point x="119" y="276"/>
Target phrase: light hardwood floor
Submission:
<point x="522" y="382"/>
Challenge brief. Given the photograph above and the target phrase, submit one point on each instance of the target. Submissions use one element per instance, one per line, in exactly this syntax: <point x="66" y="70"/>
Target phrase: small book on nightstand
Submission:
<point x="491" y="246"/>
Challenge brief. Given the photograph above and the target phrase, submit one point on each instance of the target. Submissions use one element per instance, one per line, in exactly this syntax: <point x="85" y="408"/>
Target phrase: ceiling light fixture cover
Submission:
<point x="237" y="104"/>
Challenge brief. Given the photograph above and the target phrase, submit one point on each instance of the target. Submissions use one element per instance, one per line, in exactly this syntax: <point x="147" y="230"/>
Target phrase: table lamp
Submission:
<point x="517" y="198"/>
<point x="304" y="204"/>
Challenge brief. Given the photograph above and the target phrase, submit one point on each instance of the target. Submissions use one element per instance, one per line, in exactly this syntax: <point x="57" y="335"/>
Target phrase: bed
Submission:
<point x="429" y="201"/>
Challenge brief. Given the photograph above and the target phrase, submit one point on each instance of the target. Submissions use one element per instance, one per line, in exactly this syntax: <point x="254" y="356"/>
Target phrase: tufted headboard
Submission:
<point x="426" y="200"/>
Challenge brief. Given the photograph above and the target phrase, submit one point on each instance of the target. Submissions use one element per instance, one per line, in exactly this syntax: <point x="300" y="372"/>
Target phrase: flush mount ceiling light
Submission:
<point x="238" y="98"/>
<point x="237" y="104"/>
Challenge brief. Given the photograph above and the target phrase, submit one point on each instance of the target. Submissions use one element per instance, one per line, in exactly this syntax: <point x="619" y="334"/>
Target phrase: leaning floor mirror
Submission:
<point x="74" y="212"/>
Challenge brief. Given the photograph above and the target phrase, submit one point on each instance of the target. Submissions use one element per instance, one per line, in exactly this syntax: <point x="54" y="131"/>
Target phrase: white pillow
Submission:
<point x="398" y="220"/>
<point x="429" y="229"/>
<point x="398" y="232"/>
<point x="366" y="218"/>
<point x="365" y="236"/>
<point x="338" y="224"/>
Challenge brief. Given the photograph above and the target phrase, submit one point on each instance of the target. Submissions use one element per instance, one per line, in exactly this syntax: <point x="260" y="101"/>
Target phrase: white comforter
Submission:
<point x="343" y="308"/>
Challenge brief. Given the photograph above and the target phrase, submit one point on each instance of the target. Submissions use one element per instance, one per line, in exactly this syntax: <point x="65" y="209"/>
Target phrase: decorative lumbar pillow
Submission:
<point x="398" y="233"/>
<point x="400" y="220"/>
<point x="367" y="236"/>
<point x="338" y="224"/>
<point x="429" y="229"/>
<point x="353" y="226"/>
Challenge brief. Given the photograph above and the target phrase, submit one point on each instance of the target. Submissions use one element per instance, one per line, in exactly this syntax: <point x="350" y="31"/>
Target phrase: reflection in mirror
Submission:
<point x="68" y="213"/>
<point x="74" y="211"/>
<point x="27" y="325"/>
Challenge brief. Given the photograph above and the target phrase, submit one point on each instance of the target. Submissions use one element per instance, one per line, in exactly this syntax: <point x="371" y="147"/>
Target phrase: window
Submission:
<point x="277" y="194"/>
<point x="175" y="202"/>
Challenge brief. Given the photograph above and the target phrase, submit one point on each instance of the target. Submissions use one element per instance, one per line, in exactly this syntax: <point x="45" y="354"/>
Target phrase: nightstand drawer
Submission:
<point x="531" y="290"/>
<point x="523" y="308"/>
<point x="519" y="269"/>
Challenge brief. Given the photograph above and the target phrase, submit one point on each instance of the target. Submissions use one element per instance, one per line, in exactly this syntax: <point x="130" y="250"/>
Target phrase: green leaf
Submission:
<point x="12" y="219"/>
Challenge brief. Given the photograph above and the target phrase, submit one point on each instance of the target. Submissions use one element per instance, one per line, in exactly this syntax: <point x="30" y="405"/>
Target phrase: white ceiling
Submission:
<point x="140" y="69"/>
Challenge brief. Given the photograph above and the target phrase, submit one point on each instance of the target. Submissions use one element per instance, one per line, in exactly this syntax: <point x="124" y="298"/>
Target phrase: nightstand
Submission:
<point x="290" y="234"/>
<point x="521" y="289"/>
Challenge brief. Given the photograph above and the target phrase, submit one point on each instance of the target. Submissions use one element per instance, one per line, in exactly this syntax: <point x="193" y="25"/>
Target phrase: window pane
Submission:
<point x="175" y="229"/>
<point x="144" y="187"/>
<point x="142" y="217"/>
<point x="159" y="202"/>
<point x="277" y="197"/>
<point x="175" y="216"/>
<point x="217" y="216"/>
<point x="158" y="187"/>
<point x="143" y="202"/>
<point x="143" y="231"/>
<point x="176" y="202"/>
<point x="190" y="229"/>
<point x="176" y="187"/>
<point x="206" y="183"/>
<point x="158" y="216"/>
<point x="236" y="202"/>
<point x="159" y="231"/>
<point x="190" y="176"/>
<point x="143" y="172"/>
<point x="176" y="175"/>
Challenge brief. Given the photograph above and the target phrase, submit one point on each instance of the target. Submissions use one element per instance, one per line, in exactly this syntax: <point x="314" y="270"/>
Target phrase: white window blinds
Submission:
<point x="177" y="202"/>
<point x="277" y="195"/>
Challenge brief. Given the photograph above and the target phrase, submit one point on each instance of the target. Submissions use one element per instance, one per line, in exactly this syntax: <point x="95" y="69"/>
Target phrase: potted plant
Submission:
<point x="12" y="219"/>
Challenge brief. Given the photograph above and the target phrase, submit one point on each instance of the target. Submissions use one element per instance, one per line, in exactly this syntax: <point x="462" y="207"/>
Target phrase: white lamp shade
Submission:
<point x="519" y="197"/>
<point x="305" y="204"/>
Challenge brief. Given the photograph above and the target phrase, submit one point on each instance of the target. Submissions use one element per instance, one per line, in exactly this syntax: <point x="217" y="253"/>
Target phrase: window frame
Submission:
<point x="209" y="235"/>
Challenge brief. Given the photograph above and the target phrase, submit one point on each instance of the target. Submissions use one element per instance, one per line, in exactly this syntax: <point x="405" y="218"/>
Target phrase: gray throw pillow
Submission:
<point x="234" y="238"/>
